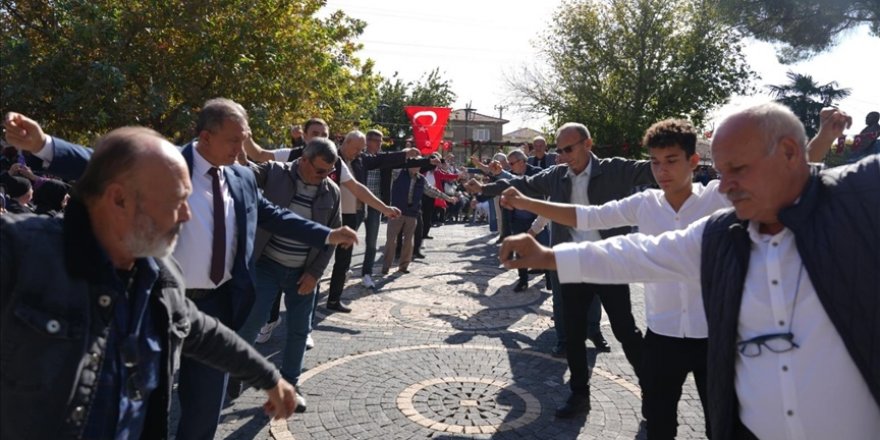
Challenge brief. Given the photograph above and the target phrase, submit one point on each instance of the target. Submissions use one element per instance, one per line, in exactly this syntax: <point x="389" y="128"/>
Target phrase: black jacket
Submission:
<point x="54" y="315"/>
<point x="836" y="225"/>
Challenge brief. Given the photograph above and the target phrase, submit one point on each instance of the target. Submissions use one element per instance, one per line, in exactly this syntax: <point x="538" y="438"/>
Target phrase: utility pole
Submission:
<point x="500" y="109"/>
<point x="467" y="116"/>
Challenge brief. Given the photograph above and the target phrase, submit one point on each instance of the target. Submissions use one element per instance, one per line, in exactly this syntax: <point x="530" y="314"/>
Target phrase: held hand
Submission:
<point x="282" y="401"/>
<point x="23" y="133"/>
<point x="391" y="212"/>
<point x="832" y="122"/>
<point x="473" y="187"/>
<point x="511" y="198"/>
<point x="522" y="251"/>
<point x="306" y="284"/>
<point x="344" y="237"/>
<point x="475" y="160"/>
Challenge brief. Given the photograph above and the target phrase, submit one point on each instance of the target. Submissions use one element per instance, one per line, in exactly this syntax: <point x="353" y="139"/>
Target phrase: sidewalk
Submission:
<point x="449" y="351"/>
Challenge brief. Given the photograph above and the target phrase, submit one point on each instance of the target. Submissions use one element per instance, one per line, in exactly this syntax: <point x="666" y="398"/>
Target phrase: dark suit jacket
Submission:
<point x="551" y="160"/>
<point x="251" y="210"/>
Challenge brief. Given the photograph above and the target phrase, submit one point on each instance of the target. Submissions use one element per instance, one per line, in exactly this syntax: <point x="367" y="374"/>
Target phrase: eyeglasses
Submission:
<point x="513" y="162"/>
<point x="321" y="171"/>
<point x="776" y="342"/>
<point x="570" y="148"/>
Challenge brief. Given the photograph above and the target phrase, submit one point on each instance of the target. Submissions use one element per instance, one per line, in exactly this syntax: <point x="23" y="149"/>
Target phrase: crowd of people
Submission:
<point x="110" y="280"/>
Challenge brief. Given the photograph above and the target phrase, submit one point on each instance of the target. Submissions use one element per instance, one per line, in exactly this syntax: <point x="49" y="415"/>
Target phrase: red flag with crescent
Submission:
<point x="428" y="125"/>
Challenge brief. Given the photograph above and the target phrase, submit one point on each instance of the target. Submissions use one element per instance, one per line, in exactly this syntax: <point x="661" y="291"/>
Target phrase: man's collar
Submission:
<point x="200" y="164"/>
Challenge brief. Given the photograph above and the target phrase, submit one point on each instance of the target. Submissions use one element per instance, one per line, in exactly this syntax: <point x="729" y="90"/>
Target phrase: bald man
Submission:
<point x="94" y="313"/>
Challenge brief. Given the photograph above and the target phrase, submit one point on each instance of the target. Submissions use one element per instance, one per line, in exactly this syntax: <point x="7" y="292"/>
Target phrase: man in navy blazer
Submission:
<point x="228" y="296"/>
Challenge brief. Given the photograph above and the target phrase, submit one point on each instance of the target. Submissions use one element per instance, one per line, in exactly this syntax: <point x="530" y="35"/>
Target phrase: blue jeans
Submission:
<point x="371" y="224"/>
<point x="493" y="224"/>
<point x="272" y="276"/>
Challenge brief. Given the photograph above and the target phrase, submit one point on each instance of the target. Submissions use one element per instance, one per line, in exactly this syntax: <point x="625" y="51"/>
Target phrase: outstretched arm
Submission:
<point x="363" y="194"/>
<point x="832" y="122"/>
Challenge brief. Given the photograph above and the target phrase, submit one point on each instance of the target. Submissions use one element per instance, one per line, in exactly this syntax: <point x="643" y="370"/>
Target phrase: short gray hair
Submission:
<point x="354" y="134"/>
<point x="776" y="121"/>
<point x="517" y="154"/>
<point x="323" y="147"/>
<point x="576" y="126"/>
<point x="499" y="157"/>
<point x="217" y="111"/>
<point x="539" y="138"/>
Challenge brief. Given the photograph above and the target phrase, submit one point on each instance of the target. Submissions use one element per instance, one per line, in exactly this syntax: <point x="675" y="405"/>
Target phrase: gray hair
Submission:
<point x="499" y="157"/>
<point x="323" y="147"/>
<point x="776" y="121"/>
<point x="217" y="111"/>
<point x="352" y="135"/>
<point x="375" y="133"/>
<point x="517" y="154"/>
<point x="539" y="138"/>
<point x="580" y="128"/>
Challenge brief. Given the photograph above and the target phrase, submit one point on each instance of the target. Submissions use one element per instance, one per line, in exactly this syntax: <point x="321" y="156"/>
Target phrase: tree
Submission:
<point x="802" y="27"/>
<point x="620" y="65"/>
<point x="85" y="67"/>
<point x="799" y="94"/>
<point x="395" y="94"/>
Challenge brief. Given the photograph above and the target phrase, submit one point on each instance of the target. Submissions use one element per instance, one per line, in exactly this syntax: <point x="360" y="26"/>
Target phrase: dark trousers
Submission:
<point x="343" y="259"/>
<point x="201" y="389"/>
<point x="667" y="362"/>
<point x="519" y="225"/>
<point x="576" y="300"/>
<point x="371" y="224"/>
<point x="427" y="214"/>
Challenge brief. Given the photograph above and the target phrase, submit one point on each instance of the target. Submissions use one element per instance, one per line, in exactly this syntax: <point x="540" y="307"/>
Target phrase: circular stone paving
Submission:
<point x="465" y="391"/>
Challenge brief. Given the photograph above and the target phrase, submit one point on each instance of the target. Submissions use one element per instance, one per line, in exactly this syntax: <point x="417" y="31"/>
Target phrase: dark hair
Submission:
<point x="115" y="154"/>
<point x="314" y="121"/>
<point x="217" y="111"/>
<point x="672" y="132"/>
<point x="49" y="196"/>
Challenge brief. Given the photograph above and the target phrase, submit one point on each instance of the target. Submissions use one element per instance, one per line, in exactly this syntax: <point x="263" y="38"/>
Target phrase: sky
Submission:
<point x="477" y="44"/>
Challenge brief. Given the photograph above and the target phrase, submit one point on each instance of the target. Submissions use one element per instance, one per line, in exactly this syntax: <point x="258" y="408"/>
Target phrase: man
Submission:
<point x="19" y="193"/>
<point x="675" y="342"/>
<point x="226" y="207"/>
<point x="541" y="158"/>
<point x="520" y="220"/>
<point x="872" y="124"/>
<point x="93" y="312"/>
<point x="585" y="179"/>
<point x="290" y="265"/>
<point x="792" y="345"/>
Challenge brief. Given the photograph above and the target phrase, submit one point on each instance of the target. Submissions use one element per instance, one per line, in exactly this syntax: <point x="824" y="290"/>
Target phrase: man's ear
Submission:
<point x="694" y="161"/>
<point x="790" y="148"/>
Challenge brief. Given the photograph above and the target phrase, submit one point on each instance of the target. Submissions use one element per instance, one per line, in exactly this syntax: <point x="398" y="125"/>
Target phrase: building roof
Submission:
<point x="458" y="116"/>
<point x="524" y="134"/>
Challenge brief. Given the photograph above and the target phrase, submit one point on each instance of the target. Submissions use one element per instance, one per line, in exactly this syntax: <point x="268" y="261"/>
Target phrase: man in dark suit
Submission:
<point x="226" y="210"/>
<point x="541" y="158"/>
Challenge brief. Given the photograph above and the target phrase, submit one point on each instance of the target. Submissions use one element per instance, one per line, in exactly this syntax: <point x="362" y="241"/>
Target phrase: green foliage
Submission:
<point x="84" y="67"/>
<point x="806" y="98"/>
<point x="620" y="65"/>
<point x="394" y="94"/>
<point x="803" y="27"/>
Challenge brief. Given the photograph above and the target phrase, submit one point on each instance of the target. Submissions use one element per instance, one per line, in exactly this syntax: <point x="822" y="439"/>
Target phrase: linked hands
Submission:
<point x="344" y="237"/>
<point x="282" y="400"/>
<point x="522" y="251"/>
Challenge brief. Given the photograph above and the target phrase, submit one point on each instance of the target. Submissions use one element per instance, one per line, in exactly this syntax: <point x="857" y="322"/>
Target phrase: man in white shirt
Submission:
<point x="792" y="331"/>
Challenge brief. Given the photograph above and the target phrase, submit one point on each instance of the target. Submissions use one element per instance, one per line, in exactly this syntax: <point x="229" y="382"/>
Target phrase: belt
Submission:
<point x="196" y="294"/>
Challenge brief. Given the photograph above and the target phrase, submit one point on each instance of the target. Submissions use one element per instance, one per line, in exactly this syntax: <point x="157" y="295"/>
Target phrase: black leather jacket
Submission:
<point x="54" y="317"/>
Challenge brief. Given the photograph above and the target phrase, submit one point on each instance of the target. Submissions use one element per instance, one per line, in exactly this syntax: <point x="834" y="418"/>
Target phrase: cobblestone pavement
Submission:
<point x="449" y="351"/>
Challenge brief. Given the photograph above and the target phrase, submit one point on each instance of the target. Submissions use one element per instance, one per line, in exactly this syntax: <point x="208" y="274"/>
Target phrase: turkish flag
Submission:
<point x="428" y="125"/>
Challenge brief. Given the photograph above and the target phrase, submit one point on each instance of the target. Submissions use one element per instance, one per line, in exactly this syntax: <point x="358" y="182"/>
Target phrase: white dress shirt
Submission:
<point x="811" y="392"/>
<point x="672" y="309"/>
<point x="580" y="184"/>
<point x="348" y="202"/>
<point x="193" y="250"/>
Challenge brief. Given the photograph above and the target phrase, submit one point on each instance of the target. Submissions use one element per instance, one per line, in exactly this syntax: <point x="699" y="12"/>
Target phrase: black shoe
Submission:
<point x="428" y="237"/>
<point x="337" y="306"/>
<point x="602" y="346"/>
<point x="300" y="403"/>
<point x="575" y="405"/>
<point x="418" y="256"/>
<point x="520" y="286"/>
<point x="234" y="389"/>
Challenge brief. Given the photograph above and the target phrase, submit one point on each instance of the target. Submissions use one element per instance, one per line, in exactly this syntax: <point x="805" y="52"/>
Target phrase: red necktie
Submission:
<point x="218" y="249"/>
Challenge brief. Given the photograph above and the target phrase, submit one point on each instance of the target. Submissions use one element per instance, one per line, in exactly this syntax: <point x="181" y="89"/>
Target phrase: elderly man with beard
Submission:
<point x="94" y="316"/>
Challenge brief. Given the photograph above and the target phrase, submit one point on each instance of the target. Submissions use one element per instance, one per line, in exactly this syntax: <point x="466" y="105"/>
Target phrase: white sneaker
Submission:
<point x="348" y="275"/>
<point x="368" y="282"/>
<point x="266" y="331"/>
<point x="310" y="343"/>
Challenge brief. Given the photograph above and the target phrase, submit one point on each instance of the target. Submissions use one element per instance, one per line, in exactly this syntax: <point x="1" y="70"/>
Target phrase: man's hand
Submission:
<point x="511" y="198"/>
<point x="391" y="212"/>
<point x="832" y="122"/>
<point x="522" y="251"/>
<point x="23" y="133"/>
<point x="23" y="171"/>
<point x="344" y="237"/>
<point x="282" y="400"/>
<point x="473" y="187"/>
<point x="306" y="284"/>
<point x="475" y="160"/>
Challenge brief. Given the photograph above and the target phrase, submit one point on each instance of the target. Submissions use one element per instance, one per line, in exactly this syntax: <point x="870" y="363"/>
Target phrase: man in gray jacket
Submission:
<point x="585" y="179"/>
<point x="305" y="188"/>
<point x="93" y="311"/>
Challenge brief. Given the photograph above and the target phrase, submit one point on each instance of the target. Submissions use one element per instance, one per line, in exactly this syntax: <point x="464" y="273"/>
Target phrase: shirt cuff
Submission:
<point x="568" y="262"/>
<point x="47" y="153"/>
<point x="581" y="212"/>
